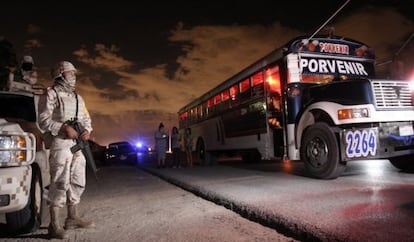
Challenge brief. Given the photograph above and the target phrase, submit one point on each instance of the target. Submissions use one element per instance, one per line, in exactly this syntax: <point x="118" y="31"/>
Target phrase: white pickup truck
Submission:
<point x="24" y="167"/>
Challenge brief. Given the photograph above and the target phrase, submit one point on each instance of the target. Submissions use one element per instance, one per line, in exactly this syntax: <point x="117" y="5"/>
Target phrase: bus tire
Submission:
<point x="29" y="218"/>
<point x="404" y="163"/>
<point x="201" y="152"/>
<point x="320" y="152"/>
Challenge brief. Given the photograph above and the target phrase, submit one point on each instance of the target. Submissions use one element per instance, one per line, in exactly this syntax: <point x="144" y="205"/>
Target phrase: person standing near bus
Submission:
<point x="161" y="145"/>
<point x="188" y="144"/>
<point x="175" y="145"/>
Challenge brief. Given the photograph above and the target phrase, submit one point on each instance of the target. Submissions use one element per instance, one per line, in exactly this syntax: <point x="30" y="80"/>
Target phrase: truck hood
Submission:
<point x="6" y="126"/>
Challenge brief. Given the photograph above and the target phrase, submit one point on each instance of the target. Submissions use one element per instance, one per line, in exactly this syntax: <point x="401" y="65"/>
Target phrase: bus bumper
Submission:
<point x="385" y="140"/>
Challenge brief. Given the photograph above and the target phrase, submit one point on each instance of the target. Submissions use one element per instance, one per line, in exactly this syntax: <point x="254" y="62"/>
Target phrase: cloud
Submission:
<point x="215" y="53"/>
<point x="106" y="57"/>
<point x="385" y="30"/>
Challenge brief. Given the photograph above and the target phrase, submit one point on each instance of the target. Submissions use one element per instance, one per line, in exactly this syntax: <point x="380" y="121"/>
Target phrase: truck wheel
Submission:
<point x="404" y="163"/>
<point x="29" y="218"/>
<point x="320" y="152"/>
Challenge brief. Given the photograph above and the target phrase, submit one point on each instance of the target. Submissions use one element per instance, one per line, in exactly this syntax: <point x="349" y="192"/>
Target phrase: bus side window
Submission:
<point x="257" y="85"/>
<point x="204" y="110"/>
<point x="274" y="99"/>
<point x="193" y="115"/>
<point x="245" y="90"/>
<point x="210" y="107"/>
<point x="199" y="113"/>
<point x="234" y="96"/>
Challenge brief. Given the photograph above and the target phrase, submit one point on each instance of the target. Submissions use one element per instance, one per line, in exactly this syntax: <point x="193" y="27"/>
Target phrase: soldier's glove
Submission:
<point x="69" y="131"/>
<point x="85" y="135"/>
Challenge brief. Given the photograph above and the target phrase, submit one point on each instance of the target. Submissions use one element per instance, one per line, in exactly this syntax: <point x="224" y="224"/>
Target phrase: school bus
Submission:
<point x="314" y="99"/>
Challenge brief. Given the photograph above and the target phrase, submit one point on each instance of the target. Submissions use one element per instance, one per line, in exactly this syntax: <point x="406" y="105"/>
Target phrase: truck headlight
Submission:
<point x="353" y="113"/>
<point x="17" y="149"/>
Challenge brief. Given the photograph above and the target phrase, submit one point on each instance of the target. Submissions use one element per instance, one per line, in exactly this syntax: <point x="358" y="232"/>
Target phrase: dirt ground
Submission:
<point x="128" y="204"/>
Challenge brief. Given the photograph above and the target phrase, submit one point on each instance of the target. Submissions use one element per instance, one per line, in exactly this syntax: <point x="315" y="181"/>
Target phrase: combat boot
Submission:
<point x="73" y="221"/>
<point x="55" y="229"/>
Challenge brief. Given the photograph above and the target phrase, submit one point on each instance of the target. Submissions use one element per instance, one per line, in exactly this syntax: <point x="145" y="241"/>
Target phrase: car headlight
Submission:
<point x="17" y="149"/>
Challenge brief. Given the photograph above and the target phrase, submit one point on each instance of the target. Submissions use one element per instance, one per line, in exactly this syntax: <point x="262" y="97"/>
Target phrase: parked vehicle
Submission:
<point x="24" y="167"/>
<point x="315" y="99"/>
<point x="121" y="152"/>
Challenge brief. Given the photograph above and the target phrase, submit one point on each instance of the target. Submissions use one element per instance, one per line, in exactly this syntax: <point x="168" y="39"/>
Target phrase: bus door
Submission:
<point x="274" y="109"/>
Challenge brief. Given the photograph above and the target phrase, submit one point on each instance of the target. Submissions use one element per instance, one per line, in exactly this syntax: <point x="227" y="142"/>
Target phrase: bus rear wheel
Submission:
<point x="205" y="157"/>
<point x="320" y="152"/>
<point x="201" y="152"/>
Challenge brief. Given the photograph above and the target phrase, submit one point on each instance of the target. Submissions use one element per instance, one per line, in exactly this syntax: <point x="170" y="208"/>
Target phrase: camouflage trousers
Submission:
<point x="68" y="177"/>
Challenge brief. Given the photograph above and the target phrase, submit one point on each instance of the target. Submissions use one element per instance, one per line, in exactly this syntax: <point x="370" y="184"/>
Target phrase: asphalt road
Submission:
<point x="128" y="204"/>
<point x="371" y="201"/>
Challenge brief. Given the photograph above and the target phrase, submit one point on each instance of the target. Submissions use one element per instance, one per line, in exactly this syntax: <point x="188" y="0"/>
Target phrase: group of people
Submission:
<point x="61" y="104"/>
<point x="161" y="143"/>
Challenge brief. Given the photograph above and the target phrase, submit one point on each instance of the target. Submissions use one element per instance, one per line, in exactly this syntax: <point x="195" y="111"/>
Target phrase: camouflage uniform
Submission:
<point x="67" y="170"/>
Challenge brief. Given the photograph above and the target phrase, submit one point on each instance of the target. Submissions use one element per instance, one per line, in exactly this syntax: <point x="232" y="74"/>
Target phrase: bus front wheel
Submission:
<point x="320" y="152"/>
<point x="404" y="163"/>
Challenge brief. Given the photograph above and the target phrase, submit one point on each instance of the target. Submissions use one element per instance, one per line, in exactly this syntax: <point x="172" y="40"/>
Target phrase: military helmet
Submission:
<point x="62" y="67"/>
<point x="27" y="63"/>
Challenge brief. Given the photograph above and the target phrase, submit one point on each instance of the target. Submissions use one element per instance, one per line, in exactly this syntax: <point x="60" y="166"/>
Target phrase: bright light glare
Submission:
<point x="411" y="84"/>
<point x="376" y="168"/>
<point x="411" y="81"/>
<point x="138" y="144"/>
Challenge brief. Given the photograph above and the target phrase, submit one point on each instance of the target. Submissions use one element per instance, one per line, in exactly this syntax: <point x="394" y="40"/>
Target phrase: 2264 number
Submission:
<point x="361" y="143"/>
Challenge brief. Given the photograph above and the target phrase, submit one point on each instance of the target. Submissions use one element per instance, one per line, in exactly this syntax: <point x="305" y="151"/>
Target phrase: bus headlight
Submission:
<point x="16" y="149"/>
<point x="353" y="113"/>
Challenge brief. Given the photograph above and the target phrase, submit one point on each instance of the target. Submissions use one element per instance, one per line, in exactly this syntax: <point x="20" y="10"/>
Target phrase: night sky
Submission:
<point x="138" y="65"/>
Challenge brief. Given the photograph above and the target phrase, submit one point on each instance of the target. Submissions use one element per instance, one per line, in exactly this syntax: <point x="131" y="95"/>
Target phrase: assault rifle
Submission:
<point x="82" y="145"/>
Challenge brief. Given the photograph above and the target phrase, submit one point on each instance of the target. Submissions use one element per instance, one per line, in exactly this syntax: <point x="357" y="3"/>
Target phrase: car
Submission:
<point x="121" y="152"/>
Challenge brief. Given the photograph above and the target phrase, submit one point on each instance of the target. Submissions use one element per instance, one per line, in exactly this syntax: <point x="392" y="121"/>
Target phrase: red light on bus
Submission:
<point x="274" y="85"/>
<point x="184" y="115"/>
<point x="210" y="102"/>
<point x="217" y="99"/>
<point x="273" y="79"/>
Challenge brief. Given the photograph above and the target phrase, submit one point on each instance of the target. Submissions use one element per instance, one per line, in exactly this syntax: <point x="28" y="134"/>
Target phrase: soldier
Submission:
<point x="68" y="173"/>
<point x="24" y="78"/>
<point x="27" y="68"/>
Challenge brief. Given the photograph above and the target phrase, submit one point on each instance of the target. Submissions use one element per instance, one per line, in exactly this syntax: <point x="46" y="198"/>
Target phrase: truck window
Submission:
<point x="21" y="107"/>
